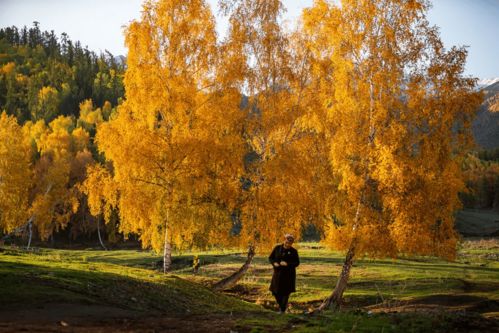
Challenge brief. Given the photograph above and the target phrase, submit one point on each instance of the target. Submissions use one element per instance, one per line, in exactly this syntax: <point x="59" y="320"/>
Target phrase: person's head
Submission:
<point x="288" y="240"/>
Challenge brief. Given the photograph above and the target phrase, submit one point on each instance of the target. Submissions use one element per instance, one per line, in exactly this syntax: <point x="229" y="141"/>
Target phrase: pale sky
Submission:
<point x="98" y="24"/>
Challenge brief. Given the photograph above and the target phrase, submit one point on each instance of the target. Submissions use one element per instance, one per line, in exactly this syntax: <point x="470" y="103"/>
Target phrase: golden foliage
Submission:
<point x="8" y="68"/>
<point x="47" y="104"/>
<point x="398" y="115"/>
<point x="15" y="174"/>
<point x="271" y="67"/>
<point x="88" y="116"/>
<point x="170" y="144"/>
<point x="355" y="122"/>
<point x="493" y="103"/>
<point x="59" y="158"/>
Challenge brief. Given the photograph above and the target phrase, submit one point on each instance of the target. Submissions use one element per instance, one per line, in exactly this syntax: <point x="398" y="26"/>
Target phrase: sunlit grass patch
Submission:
<point x="132" y="279"/>
<point x="372" y="280"/>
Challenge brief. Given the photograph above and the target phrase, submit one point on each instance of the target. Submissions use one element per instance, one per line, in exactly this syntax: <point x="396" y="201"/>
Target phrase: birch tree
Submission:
<point x="56" y="149"/>
<point x="272" y="73"/>
<point x="398" y="117"/>
<point x="15" y="174"/>
<point x="170" y="141"/>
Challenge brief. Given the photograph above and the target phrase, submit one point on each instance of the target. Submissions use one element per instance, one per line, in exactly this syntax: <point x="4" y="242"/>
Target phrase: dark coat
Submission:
<point x="284" y="277"/>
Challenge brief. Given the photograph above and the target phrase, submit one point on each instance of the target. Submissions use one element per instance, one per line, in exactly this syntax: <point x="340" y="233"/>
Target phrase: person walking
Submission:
<point x="284" y="259"/>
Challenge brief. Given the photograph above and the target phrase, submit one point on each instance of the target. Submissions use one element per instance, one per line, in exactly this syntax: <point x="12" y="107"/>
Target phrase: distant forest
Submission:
<point x="48" y="83"/>
<point x="43" y="76"/>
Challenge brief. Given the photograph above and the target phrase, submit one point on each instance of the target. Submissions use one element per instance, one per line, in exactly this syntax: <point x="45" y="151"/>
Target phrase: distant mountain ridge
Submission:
<point x="487" y="82"/>
<point x="486" y="124"/>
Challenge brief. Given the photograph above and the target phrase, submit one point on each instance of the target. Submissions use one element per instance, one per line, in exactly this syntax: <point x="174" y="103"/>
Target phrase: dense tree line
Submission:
<point x="481" y="172"/>
<point x="43" y="76"/>
<point x="58" y="92"/>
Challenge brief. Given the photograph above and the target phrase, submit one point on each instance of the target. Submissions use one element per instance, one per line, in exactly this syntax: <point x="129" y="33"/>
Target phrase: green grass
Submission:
<point x="372" y="281"/>
<point x="358" y="321"/>
<point x="130" y="279"/>
<point x="113" y="278"/>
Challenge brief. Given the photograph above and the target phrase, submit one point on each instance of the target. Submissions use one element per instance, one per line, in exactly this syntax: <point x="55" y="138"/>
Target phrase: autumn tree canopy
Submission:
<point x="15" y="174"/>
<point x="399" y="112"/>
<point x="272" y="73"/>
<point x="59" y="158"/>
<point x="169" y="144"/>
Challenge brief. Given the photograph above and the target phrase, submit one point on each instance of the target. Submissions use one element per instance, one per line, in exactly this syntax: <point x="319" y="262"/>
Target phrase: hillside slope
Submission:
<point x="486" y="124"/>
<point x="71" y="286"/>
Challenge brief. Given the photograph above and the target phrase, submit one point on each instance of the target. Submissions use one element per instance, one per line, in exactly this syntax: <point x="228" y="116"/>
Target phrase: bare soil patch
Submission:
<point x="60" y="317"/>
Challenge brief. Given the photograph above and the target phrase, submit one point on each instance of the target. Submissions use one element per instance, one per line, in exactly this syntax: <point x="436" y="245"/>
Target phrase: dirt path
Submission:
<point x="60" y="317"/>
<point x="146" y="324"/>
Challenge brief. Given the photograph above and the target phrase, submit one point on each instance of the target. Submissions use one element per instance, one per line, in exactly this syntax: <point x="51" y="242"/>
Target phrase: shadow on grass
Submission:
<point x="35" y="284"/>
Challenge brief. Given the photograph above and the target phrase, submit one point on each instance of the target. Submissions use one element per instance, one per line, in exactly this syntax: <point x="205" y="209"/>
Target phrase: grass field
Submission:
<point x="475" y="273"/>
<point x="123" y="290"/>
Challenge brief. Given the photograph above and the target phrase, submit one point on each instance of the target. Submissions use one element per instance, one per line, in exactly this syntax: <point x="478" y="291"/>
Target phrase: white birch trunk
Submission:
<point x="167" y="250"/>
<point x="98" y="233"/>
